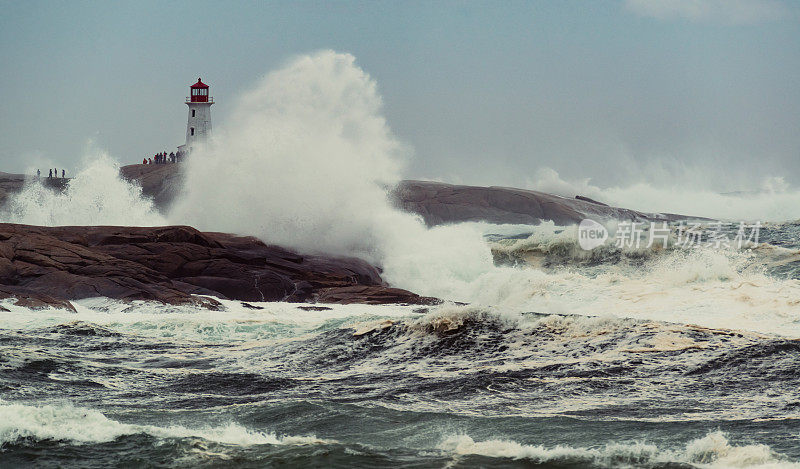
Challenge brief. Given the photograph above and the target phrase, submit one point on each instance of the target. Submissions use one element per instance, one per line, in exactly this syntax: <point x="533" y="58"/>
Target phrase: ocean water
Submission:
<point x="617" y="383"/>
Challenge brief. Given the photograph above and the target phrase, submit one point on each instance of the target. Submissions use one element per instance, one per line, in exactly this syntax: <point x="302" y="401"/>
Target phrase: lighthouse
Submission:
<point x="198" y="127"/>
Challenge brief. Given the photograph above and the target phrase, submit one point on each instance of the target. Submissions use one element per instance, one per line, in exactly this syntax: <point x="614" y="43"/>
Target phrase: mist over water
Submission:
<point x="768" y="199"/>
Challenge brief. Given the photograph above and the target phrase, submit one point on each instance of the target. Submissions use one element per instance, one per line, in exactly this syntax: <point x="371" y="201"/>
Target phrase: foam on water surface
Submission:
<point x="65" y="422"/>
<point x="235" y="323"/>
<point x="711" y="451"/>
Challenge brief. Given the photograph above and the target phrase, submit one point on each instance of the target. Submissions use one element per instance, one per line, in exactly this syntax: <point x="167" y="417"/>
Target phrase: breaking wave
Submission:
<point x="754" y="289"/>
<point x="713" y="451"/>
<point x="81" y="425"/>
<point x="404" y="358"/>
<point x="97" y="195"/>
<point x="519" y="384"/>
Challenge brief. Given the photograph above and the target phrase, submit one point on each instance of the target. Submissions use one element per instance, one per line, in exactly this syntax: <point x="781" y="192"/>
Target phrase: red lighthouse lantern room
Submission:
<point x="199" y="92"/>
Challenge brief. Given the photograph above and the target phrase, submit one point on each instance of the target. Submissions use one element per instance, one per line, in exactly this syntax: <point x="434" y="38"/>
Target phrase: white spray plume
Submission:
<point x="303" y="161"/>
<point x="97" y="195"/>
<point x="306" y="161"/>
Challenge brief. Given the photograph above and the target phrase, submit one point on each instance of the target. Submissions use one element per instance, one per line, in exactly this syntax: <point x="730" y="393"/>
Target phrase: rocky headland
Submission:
<point x="41" y="266"/>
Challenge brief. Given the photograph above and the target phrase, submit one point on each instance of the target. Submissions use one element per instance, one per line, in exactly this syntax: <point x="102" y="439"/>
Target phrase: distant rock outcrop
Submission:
<point x="51" y="265"/>
<point x="439" y="203"/>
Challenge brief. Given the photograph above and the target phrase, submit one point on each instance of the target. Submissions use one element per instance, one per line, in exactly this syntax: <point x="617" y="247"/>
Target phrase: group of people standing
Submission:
<point x="164" y="158"/>
<point x="53" y="173"/>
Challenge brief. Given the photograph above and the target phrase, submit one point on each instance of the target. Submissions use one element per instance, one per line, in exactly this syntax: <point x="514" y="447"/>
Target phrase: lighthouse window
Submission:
<point x="192" y="112"/>
<point x="192" y="130"/>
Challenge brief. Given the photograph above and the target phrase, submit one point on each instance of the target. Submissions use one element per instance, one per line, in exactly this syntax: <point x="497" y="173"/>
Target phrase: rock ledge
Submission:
<point x="48" y="266"/>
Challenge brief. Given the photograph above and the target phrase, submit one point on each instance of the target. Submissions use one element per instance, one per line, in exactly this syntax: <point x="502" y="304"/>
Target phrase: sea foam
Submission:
<point x="713" y="451"/>
<point x="81" y="425"/>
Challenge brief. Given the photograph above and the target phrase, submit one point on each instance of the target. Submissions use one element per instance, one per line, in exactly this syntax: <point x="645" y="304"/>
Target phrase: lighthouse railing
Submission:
<point x="189" y="100"/>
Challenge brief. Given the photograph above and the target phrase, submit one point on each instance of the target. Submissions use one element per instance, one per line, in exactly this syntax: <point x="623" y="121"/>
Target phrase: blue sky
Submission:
<point x="484" y="92"/>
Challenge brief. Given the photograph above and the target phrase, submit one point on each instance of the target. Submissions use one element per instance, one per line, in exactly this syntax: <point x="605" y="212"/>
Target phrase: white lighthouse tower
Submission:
<point x="198" y="127"/>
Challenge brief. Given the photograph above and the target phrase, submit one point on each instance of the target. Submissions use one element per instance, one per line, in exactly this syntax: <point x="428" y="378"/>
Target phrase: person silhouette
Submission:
<point x="62" y="174"/>
<point x="50" y="176"/>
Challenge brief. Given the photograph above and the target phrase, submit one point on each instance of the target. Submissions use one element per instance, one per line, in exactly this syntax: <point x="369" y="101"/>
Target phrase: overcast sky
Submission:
<point x="484" y="92"/>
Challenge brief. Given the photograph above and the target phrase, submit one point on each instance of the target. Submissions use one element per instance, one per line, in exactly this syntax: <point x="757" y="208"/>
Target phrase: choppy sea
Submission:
<point x="610" y="359"/>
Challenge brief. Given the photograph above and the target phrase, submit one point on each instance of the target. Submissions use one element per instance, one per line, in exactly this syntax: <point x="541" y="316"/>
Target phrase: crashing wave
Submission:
<point x="97" y="195"/>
